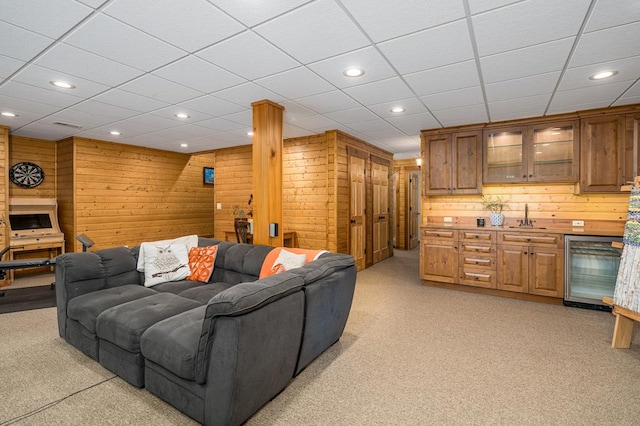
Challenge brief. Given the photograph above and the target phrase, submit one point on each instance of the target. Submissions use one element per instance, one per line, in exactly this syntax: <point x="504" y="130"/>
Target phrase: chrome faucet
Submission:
<point x="526" y="221"/>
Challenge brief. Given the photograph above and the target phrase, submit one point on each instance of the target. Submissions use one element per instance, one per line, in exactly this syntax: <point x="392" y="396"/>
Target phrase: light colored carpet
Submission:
<point x="410" y="355"/>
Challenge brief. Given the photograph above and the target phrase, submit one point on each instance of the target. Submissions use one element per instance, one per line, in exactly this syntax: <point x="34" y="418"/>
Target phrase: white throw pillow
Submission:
<point x="287" y="261"/>
<point x="190" y="241"/>
<point x="165" y="263"/>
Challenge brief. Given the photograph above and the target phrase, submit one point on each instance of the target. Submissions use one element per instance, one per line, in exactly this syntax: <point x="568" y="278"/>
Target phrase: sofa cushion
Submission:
<point x="86" y="308"/>
<point x="123" y="325"/>
<point x="204" y="293"/>
<point x="236" y="263"/>
<point x="176" y="287"/>
<point x="201" y="262"/>
<point x="173" y="343"/>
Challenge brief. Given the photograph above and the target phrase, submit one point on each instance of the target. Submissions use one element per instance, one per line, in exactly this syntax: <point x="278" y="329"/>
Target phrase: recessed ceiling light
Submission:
<point x="184" y="145"/>
<point x="114" y="133"/>
<point x="62" y="84"/>
<point x="353" y="72"/>
<point x="9" y="114"/>
<point x="603" y="74"/>
<point x="249" y="133"/>
<point x="397" y="109"/>
<point x="182" y="115"/>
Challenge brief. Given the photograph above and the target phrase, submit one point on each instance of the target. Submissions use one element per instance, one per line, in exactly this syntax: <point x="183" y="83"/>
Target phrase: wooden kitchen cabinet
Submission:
<point x="453" y="163"/>
<point x="602" y="151"/>
<point x="439" y="255"/>
<point x="531" y="263"/>
<point x="544" y="152"/>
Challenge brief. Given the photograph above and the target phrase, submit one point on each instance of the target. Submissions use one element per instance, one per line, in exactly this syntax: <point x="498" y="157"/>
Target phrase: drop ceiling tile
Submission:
<point x="220" y="125"/>
<point x="158" y="88"/>
<point x="41" y="77"/>
<point x="225" y="140"/>
<point x="383" y="19"/>
<point x="454" y="99"/>
<point x="19" y="43"/>
<point x="412" y="124"/>
<point x="36" y="15"/>
<point x="602" y="94"/>
<point x="314" y="31"/>
<point x="130" y="127"/>
<point x="479" y="6"/>
<point x="375" y="66"/>
<point x="99" y="108"/>
<point x="260" y="11"/>
<point x="84" y="119"/>
<point x="540" y="59"/>
<point x="15" y="89"/>
<point x="188" y="24"/>
<point x="212" y="106"/>
<point x="171" y="111"/>
<point x="293" y="110"/>
<point x="249" y="56"/>
<point x="402" y="143"/>
<point x="317" y="123"/>
<point x="8" y="66"/>
<point x="511" y="115"/>
<point x="158" y="123"/>
<point x="243" y="117"/>
<point x="533" y="105"/>
<point x="444" y="79"/>
<point x="45" y="129"/>
<point x="435" y="47"/>
<point x="630" y="96"/>
<point x="22" y="118"/>
<point x="522" y="87"/>
<point x="575" y="78"/>
<point x="130" y="100"/>
<point x="373" y="126"/>
<point x="380" y="91"/>
<point x="411" y="106"/>
<point x="34" y="107"/>
<point x="467" y="115"/>
<point x="295" y="83"/>
<point x="607" y="45"/>
<point x="291" y="131"/>
<point x="611" y="13"/>
<point x="199" y="75"/>
<point x="521" y="25"/>
<point x="186" y="132"/>
<point x="115" y="40"/>
<point x="92" y="3"/>
<point x="353" y="115"/>
<point x="328" y="102"/>
<point x="80" y="63"/>
<point x="247" y="93"/>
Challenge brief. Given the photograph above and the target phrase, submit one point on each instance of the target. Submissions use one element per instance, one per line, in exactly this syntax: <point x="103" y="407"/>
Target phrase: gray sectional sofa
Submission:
<point x="216" y="351"/>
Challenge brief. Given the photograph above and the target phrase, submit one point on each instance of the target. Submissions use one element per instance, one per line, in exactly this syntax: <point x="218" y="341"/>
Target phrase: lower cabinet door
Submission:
<point x="513" y="268"/>
<point x="439" y="262"/>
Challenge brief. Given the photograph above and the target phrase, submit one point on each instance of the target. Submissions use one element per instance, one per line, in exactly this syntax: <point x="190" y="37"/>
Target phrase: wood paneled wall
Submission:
<point x="65" y="192"/>
<point x="305" y="191"/>
<point x="4" y="184"/>
<point x="38" y="151"/>
<point x="233" y="185"/>
<point x="557" y="201"/>
<point x="123" y="195"/>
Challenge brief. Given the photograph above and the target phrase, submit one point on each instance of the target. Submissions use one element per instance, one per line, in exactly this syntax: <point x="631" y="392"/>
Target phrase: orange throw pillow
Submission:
<point x="272" y="264"/>
<point x="201" y="262"/>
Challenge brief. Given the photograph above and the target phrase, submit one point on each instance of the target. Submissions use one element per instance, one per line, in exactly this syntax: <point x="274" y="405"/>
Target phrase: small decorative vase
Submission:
<point x="496" y="219"/>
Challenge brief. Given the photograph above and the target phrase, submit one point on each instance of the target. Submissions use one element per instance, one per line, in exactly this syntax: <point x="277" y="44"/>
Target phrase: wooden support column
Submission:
<point x="267" y="171"/>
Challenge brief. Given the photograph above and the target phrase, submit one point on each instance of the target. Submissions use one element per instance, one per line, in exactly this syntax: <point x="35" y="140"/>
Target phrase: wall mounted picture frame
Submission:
<point x="208" y="175"/>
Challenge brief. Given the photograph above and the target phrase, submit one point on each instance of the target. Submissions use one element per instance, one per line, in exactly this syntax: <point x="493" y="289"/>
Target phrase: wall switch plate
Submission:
<point x="448" y="219"/>
<point x="577" y="223"/>
<point x="219" y="206"/>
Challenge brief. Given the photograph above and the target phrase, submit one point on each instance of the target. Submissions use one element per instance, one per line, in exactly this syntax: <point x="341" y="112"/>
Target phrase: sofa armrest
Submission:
<point x="81" y="273"/>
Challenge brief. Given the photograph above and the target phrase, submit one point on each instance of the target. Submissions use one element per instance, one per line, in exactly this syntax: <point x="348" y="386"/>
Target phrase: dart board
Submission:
<point x="26" y="174"/>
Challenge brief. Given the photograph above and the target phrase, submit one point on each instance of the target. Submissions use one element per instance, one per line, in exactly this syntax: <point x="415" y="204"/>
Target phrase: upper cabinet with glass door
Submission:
<point x="537" y="153"/>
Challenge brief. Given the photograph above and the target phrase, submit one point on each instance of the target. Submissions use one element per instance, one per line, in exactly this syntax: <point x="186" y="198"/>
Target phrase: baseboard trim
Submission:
<point x="495" y="292"/>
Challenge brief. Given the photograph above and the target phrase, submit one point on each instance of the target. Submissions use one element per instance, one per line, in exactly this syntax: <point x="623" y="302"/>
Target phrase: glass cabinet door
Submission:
<point x="504" y="156"/>
<point x="553" y="153"/>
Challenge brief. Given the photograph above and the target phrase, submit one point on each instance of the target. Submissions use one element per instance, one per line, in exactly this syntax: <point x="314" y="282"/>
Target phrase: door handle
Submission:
<point x="353" y="221"/>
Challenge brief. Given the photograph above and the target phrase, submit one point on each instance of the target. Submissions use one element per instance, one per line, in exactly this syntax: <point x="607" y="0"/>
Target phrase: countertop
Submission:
<point x="616" y="231"/>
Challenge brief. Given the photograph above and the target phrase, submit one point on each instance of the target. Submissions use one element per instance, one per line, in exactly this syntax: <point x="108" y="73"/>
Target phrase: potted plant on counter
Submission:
<point x="495" y="205"/>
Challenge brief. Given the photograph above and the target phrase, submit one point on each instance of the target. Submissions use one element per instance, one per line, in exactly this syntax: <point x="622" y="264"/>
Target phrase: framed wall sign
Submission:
<point x="208" y="175"/>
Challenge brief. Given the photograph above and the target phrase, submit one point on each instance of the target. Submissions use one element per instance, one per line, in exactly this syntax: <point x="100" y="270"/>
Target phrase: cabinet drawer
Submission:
<point x="471" y="248"/>
<point x="445" y="235"/>
<point x="469" y="260"/>
<point x="477" y="277"/>
<point x="484" y="236"/>
<point x="531" y="238"/>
